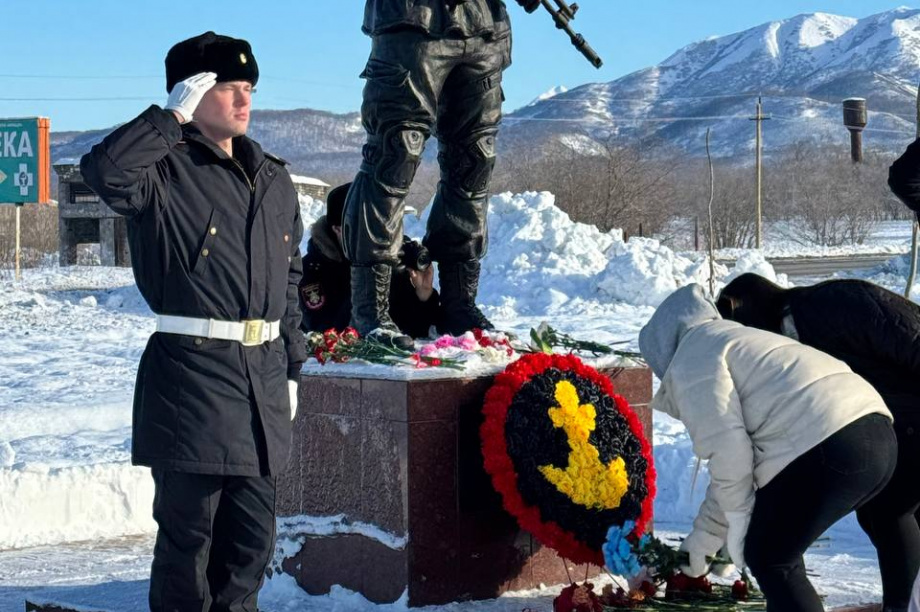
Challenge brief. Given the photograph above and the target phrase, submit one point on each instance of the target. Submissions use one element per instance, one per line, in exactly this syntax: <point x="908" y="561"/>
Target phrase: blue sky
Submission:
<point x="310" y="52"/>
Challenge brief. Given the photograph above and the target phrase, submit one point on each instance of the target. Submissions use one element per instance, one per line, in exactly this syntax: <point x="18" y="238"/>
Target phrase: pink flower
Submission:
<point x="468" y="342"/>
<point x="428" y="349"/>
<point x="444" y="342"/>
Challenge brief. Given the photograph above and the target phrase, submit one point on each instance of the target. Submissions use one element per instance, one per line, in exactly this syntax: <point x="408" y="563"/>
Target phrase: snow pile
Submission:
<point x="311" y="209"/>
<point x="754" y="262"/>
<point x="43" y="505"/>
<point x="643" y="272"/>
<point x="538" y="258"/>
<point x="71" y="340"/>
<point x="540" y="261"/>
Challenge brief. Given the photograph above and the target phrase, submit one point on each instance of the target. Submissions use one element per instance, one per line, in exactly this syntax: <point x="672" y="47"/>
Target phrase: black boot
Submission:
<point x="459" y="284"/>
<point x="370" y="306"/>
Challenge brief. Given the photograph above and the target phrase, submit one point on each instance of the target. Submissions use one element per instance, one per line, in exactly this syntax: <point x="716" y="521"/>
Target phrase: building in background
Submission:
<point x="83" y="218"/>
<point x="312" y="187"/>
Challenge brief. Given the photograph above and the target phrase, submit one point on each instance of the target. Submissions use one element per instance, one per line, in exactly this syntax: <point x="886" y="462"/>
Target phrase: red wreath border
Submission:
<point x="499" y="466"/>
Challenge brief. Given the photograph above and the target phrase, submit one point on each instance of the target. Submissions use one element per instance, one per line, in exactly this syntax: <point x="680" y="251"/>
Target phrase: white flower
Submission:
<point x="490" y="354"/>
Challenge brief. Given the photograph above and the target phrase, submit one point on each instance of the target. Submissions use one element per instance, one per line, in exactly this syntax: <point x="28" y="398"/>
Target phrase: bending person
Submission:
<point x="877" y="333"/>
<point x="795" y="440"/>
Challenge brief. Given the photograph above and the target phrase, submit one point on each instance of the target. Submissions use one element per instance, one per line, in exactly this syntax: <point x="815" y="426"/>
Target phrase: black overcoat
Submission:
<point x="210" y="237"/>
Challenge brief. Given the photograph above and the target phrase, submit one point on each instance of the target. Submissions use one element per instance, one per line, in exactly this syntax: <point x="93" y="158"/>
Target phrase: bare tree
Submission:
<point x="607" y="183"/>
<point x="825" y="198"/>
<point x="39" y="229"/>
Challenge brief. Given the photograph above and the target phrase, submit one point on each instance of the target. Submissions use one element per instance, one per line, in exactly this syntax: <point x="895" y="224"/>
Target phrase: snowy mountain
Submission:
<point x="803" y="67"/>
<point x="552" y="93"/>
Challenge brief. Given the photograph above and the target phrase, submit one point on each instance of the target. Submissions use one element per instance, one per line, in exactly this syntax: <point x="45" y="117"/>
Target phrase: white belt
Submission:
<point x="248" y="333"/>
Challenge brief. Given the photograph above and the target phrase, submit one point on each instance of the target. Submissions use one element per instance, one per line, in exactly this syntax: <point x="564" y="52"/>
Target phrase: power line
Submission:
<point x="510" y="119"/>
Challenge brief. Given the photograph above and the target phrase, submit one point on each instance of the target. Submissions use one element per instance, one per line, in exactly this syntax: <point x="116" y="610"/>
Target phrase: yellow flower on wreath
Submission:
<point x="587" y="481"/>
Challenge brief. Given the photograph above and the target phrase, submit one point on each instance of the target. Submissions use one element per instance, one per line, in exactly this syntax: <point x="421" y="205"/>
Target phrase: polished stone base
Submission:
<point x="404" y="456"/>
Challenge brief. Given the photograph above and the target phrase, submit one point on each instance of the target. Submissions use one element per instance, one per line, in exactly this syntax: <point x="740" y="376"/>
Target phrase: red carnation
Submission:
<point x="578" y="598"/>
<point x="740" y="590"/>
<point x="350" y="335"/>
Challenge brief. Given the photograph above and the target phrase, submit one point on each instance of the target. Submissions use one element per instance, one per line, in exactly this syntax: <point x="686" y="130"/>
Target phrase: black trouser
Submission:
<point x="889" y="521"/>
<point x="418" y="85"/>
<point x="806" y="498"/>
<point x="216" y="537"/>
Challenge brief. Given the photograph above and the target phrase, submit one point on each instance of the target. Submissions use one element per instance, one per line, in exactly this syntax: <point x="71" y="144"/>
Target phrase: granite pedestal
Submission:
<point x="404" y="456"/>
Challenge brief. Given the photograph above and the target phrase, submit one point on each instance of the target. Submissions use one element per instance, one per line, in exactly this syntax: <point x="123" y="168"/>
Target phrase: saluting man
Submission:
<point x="214" y="228"/>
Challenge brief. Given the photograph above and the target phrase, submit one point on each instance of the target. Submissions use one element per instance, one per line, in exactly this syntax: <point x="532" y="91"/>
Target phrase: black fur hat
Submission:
<point x="335" y="204"/>
<point x="230" y="58"/>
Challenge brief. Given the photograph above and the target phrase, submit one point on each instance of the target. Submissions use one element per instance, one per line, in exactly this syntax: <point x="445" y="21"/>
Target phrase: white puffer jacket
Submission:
<point x="752" y="401"/>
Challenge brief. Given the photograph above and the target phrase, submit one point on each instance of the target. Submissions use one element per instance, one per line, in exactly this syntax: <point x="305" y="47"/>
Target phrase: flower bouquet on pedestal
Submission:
<point x="340" y="347"/>
<point x="545" y="339"/>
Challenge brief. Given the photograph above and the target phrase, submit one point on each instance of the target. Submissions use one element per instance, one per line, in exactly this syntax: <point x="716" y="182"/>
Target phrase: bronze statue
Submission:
<point x="435" y="68"/>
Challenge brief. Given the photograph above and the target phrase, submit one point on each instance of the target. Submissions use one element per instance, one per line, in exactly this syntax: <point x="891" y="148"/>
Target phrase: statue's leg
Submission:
<point x="398" y="113"/>
<point x="469" y="115"/>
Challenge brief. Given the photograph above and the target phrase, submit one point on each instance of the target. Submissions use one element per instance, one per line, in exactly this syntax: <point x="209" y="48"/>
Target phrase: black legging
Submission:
<point x="806" y="498"/>
<point x="889" y="521"/>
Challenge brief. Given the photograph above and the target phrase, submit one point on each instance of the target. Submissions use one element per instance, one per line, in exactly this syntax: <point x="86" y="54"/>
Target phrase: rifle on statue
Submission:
<point x="562" y="16"/>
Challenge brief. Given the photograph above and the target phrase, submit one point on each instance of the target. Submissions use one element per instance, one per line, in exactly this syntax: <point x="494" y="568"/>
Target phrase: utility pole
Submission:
<point x="759" y="118"/>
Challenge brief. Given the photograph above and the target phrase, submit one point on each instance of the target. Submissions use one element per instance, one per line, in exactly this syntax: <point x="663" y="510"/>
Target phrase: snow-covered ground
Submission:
<point x="782" y="240"/>
<point x="70" y="340"/>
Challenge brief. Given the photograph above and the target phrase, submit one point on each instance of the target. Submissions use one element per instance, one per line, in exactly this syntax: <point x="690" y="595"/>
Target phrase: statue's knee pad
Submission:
<point x="398" y="158"/>
<point x="469" y="165"/>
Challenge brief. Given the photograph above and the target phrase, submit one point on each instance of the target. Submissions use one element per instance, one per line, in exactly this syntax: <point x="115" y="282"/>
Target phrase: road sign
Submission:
<point x="25" y="160"/>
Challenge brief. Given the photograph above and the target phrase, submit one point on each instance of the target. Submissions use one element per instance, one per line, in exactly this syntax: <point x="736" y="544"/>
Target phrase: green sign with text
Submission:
<point x="25" y="171"/>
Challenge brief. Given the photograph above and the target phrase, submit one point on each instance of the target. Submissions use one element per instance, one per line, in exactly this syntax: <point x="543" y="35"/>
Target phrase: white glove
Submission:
<point x="723" y="570"/>
<point x="186" y="95"/>
<point x="698" y="565"/>
<point x="292" y="395"/>
<point x="738" y="523"/>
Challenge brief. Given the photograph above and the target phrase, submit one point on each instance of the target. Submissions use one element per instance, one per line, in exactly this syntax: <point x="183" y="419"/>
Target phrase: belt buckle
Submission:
<point x="252" y="332"/>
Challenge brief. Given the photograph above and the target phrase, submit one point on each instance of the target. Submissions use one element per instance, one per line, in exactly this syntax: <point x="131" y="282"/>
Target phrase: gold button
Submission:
<point x="287" y="238"/>
<point x="213" y="231"/>
<point x="205" y="253"/>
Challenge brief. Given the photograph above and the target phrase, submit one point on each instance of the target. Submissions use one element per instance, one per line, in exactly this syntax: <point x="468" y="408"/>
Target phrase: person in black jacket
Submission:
<point x="435" y="67"/>
<point x="904" y="177"/>
<point x="214" y="231"/>
<point x="325" y="291"/>
<point x="877" y="333"/>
